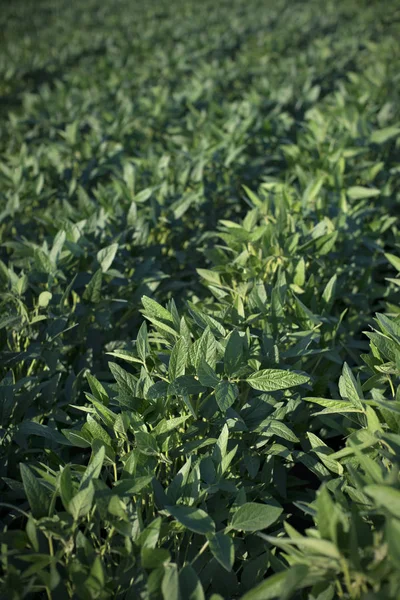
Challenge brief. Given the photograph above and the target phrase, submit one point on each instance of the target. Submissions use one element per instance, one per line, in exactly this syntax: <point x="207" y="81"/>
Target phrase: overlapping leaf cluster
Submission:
<point x="199" y="328"/>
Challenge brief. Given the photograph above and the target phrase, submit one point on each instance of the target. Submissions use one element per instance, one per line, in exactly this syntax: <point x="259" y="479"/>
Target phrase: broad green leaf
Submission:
<point x="170" y="583"/>
<point x="154" y="310"/>
<point x="97" y="389"/>
<point x="333" y="406"/>
<point x="296" y="578"/>
<point x="210" y="276"/>
<point x="357" y="191"/>
<point x="380" y="136"/>
<point x="96" y="430"/>
<point x="313" y="545"/>
<point x="190" y="585"/>
<point x="94" y="468"/>
<point x="207" y="375"/>
<point x="146" y="443"/>
<point x="67" y="489"/>
<point x="185" y="386"/>
<point x="44" y="299"/>
<point x="254" y="516"/>
<point x="394" y="260"/>
<point x="178" y="360"/>
<point x="92" y="292"/>
<point x="165" y="426"/>
<point x="177" y="485"/>
<point x="79" y="439"/>
<point x="349" y="390"/>
<point x="225" y="395"/>
<point x="153" y="558"/>
<point x="385" y="496"/>
<point x="143" y="196"/>
<point x="142" y="343"/>
<point x="325" y="518"/>
<point x="126" y="356"/>
<point x="205" y="349"/>
<point x="38" y="499"/>
<point x="221" y="445"/>
<point x="222" y="548"/>
<point x="149" y="537"/>
<point x="195" y="519"/>
<point x="271" y="380"/>
<point x="323" y="452"/>
<point x="106" y="256"/>
<point x="82" y="502"/>
<point x="129" y="487"/>
<point x="275" y="427"/>
<point x="329" y="291"/>
<point x="233" y="356"/>
<point x="269" y="589"/>
<point x="392" y="534"/>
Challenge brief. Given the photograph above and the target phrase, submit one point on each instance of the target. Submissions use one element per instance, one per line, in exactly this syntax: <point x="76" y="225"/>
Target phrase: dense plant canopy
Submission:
<point x="200" y="308"/>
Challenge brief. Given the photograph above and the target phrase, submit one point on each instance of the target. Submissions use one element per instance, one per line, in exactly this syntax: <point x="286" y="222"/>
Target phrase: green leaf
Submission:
<point x="356" y="192"/>
<point x="143" y="195"/>
<point x="349" y="389"/>
<point x="313" y="545"/>
<point x="254" y="516"/>
<point x="392" y="534"/>
<point x="126" y="356"/>
<point x="275" y="427"/>
<point x="94" y="468"/>
<point x="146" y="443"/>
<point x="295" y="579"/>
<point x="82" y="502"/>
<point x="205" y="349"/>
<point x="97" y="389"/>
<point x="385" y="496"/>
<point x="96" y="430"/>
<point x="223" y="550"/>
<point x="154" y="310"/>
<point x="153" y="558"/>
<point x="165" y="426"/>
<point x="170" y="584"/>
<point x="329" y="291"/>
<point x="178" y="359"/>
<point x="207" y="375"/>
<point x="142" y="342"/>
<point x="269" y="589"/>
<point x="380" y="136"/>
<point x="323" y="452"/>
<point x="225" y="395"/>
<point x="221" y="445"/>
<point x="394" y="260"/>
<point x="325" y="518"/>
<point x="79" y="439"/>
<point x="106" y="256"/>
<point x="150" y="535"/>
<point x="194" y="519"/>
<point x="233" y="356"/>
<point x="333" y="406"/>
<point x="177" y="485"/>
<point x="186" y="385"/>
<point x="271" y="380"/>
<point x="67" y="489"/>
<point x="190" y="585"/>
<point x="92" y="292"/>
<point x="130" y="487"/>
<point x="210" y="276"/>
<point x="126" y="382"/>
<point x="38" y="499"/>
<point x="44" y="299"/>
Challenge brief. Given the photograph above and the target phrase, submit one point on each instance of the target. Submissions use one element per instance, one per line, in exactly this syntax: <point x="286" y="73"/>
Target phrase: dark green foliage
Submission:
<point x="199" y="292"/>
